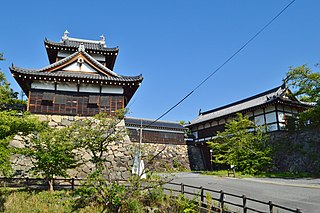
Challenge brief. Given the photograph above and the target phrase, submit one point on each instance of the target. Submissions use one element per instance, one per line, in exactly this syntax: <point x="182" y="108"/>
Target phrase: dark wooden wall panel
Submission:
<point x="73" y="104"/>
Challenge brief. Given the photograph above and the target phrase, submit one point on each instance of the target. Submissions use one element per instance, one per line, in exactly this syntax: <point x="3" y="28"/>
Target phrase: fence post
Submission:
<point x="202" y="197"/>
<point x="221" y="201"/>
<point x="182" y="188"/>
<point x="72" y="184"/>
<point x="244" y="202"/>
<point x="270" y="207"/>
<point x="27" y="182"/>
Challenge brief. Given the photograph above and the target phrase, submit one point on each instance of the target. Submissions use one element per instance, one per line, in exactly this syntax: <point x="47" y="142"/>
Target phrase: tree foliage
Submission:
<point x="52" y="153"/>
<point x="7" y="95"/>
<point x="305" y="82"/>
<point x="306" y="86"/>
<point x="95" y="135"/>
<point x="244" y="149"/>
<point x="11" y="123"/>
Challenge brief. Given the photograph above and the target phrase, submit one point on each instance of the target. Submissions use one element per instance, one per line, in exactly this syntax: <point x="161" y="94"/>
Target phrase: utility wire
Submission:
<point x="222" y="65"/>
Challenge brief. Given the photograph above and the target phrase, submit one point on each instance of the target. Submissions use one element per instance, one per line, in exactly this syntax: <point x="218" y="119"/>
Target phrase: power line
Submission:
<point x="224" y="63"/>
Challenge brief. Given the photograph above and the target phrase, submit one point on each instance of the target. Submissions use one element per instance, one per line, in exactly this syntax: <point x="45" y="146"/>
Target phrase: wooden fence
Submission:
<point x="40" y="183"/>
<point x="221" y="201"/>
<point x="227" y="202"/>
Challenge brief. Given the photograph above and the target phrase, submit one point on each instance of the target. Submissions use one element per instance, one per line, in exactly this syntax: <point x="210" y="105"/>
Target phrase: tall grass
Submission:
<point x="14" y="201"/>
<point x="153" y="200"/>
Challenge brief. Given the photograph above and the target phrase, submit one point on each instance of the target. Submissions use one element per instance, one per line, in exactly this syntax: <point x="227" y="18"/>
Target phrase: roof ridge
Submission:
<point x="61" y="43"/>
<point x="58" y="62"/>
<point x="126" y="76"/>
<point x="109" y="78"/>
<point x="14" y="67"/>
<point x="73" y="55"/>
<point x="99" y="64"/>
<point x="85" y="40"/>
<point x="244" y="100"/>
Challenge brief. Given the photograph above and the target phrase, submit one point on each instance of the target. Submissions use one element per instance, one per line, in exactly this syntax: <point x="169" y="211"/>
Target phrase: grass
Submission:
<point x="287" y="175"/>
<point x="22" y="200"/>
<point x="224" y="173"/>
<point x="18" y="200"/>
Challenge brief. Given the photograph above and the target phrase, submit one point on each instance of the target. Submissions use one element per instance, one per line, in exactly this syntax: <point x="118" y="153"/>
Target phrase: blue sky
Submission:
<point x="173" y="44"/>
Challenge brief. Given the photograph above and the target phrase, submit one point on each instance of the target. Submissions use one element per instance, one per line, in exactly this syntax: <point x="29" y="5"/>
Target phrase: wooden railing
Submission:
<point x="223" y="202"/>
<point x="227" y="202"/>
<point x="40" y="183"/>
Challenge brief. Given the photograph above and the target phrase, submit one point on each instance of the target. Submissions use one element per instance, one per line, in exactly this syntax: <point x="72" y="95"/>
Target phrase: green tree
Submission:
<point x="7" y="95"/>
<point x="52" y="153"/>
<point x="12" y="122"/>
<point x="238" y="146"/>
<point x="95" y="135"/>
<point x="306" y="86"/>
<point x="305" y="82"/>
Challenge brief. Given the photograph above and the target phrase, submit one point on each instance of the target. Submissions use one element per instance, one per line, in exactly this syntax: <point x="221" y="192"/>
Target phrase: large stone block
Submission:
<point x="17" y="144"/>
<point x="42" y="117"/>
<point x="52" y="124"/>
<point x="65" y="122"/>
<point x="56" y="118"/>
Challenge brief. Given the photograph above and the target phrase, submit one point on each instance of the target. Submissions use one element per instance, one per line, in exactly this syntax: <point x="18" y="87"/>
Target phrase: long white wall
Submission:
<point x="73" y="87"/>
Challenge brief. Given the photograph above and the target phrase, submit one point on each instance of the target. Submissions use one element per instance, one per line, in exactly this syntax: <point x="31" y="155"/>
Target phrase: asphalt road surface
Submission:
<point x="303" y="194"/>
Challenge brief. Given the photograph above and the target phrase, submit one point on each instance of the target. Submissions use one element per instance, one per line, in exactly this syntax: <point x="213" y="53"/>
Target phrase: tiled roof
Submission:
<point x="254" y="101"/>
<point x="70" y="57"/>
<point x="106" y="73"/>
<point x="76" y="75"/>
<point x="158" y="124"/>
<point x="87" y="44"/>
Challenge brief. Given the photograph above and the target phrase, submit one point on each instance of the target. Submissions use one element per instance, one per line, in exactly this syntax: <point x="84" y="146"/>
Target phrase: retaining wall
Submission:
<point x="119" y="158"/>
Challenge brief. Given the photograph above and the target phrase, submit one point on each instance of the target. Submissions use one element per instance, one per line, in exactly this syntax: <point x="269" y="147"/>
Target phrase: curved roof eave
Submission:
<point x="64" y="74"/>
<point x="104" y="69"/>
<point x="245" y="104"/>
<point x="75" y="44"/>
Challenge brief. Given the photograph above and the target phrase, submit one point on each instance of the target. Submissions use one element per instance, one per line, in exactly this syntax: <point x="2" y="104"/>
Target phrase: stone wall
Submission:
<point x="165" y="157"/>
<point x="159" y="157"/>
<point x="296" y="151"/>
<point x="195" y="158"/>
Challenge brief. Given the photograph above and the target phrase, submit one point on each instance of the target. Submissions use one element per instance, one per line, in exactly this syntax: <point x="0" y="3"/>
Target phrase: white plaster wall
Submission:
<point x="259" y="120"/>
<point x="271" y="117"/>
<point x="67" y="87"/>
<point x="75" y="67"/>
<point x="112" y="89"/>
<point x="89" y="88"/>
<point x="64" y="54"/>
<point x="42" y="85"/>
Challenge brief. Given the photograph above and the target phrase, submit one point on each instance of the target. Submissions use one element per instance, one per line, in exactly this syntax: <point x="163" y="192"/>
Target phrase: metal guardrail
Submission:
<point x="244" y="203"/>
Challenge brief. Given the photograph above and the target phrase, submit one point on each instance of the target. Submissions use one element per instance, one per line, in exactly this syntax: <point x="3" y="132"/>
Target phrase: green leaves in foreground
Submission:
<point x="11" y="123"/>
<point x="96" y="135"/>
<point x="306" y="86"/>
<point x="52" y="153"/>
<point x="243" y="145"/>
<point x="305" y="82"/>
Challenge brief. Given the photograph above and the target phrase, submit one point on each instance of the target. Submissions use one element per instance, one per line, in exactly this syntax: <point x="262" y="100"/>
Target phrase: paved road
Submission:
<point x="294" y="193"/>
